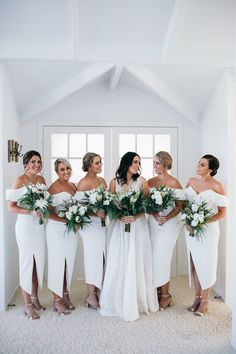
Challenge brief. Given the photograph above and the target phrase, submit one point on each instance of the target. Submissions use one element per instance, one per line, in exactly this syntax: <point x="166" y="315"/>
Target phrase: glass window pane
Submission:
<point x="145" y="145"/>
<point x="59" y="144"/>
<point x="96" y="144"/>
<point x="77" y="172"/>
<point x="77" y="145"/>
<point x="162" y="142"/>
<point x="126" y="143"/>
<point x="147" y="168"/>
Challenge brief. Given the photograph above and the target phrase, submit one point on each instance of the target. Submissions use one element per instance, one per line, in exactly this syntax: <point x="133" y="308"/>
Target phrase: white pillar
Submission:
<point x="232" y="212"/>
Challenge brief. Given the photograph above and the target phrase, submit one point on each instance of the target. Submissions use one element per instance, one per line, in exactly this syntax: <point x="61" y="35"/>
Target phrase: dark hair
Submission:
<point x="213" y="163"/>
<point x="28" y="156"/>
<point x="88" y="160"/>
<point x="125" y="162"/>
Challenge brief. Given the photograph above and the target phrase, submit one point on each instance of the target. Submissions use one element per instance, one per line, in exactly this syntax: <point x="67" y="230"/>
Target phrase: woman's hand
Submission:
<point x="128" y="219"/>
<point x="36" y="214"/>
<point x="101" y="214"/>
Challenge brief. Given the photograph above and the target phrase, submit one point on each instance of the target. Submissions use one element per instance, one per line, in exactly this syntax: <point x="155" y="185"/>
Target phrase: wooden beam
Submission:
<point x="66" y="89"/>
<point x="172" y="28"/>
<point x="151" y="81"/>
<point x="115" y="76"/>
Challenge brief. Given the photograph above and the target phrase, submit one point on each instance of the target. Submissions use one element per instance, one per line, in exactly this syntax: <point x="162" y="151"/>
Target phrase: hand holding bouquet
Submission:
<point x="195" y="216"/>
<point x="159" y="199"/>
<point x="37" y="199"/>
<point x="123" y="204"/>
<point x="76" y="215"/>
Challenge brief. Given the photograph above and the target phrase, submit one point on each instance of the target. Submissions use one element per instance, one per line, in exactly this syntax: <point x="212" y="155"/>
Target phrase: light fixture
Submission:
<point x="14" y="151"/>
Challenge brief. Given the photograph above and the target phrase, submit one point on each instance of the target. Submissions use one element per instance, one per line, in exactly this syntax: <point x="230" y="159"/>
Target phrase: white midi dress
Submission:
<point x="128" y="288"/>
<point x="204" y="252"/>
<point x="62" y="248"/>
<point x="163" y="240"/>
<point x="30" y="237"/>
<point x="94" y="243"/>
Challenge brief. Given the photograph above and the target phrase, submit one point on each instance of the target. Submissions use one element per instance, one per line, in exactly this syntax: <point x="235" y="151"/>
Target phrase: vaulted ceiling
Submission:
<point x="174" y="49"/>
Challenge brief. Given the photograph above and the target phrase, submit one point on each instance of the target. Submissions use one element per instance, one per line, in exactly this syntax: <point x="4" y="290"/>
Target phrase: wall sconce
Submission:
<point x="14" y="150"/>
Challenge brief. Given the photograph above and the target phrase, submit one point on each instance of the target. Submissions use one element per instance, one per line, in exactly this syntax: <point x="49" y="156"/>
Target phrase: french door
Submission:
<point x="111" y="143"/>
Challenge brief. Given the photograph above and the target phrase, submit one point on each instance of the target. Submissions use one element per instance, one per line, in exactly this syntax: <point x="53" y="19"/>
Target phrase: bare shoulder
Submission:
<point x="54" y="188"/>
<point x="19" y="182"/>
<point x="112" y="186"/>
<point x="41" y="180"/>
<point x="191" y="181"/>
<point x="102" y="182"/>
<point x="174" y="183"/>
<point x="82" y="185"/>
<point x="218" y="187"/>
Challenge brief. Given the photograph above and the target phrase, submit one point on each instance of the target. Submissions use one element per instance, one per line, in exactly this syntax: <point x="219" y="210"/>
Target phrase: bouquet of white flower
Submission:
<point x="76" y="214"/>
<point x="159" y="199"/>
<point x="97" y="200"/>
<point x="38" y="199"/>
<point x="195" y="216"/>
<point x="126" y="204"/>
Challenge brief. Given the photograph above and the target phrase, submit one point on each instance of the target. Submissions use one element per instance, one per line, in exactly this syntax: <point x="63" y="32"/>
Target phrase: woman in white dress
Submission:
<point x="163" y="229"/>
<point x="30" y="235"/>
<point x="62" y="245"/>
<point x="94" y="234"/>
<point x="128" y="288"/>
<point x="203" y="253"/>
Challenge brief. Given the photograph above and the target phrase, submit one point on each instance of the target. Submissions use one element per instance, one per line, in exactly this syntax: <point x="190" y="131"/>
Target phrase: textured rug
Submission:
<point x="85" y="331"/>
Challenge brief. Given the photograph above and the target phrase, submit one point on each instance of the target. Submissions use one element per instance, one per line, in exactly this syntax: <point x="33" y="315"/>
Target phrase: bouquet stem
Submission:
<point x="103" y="222"/>
<point x="127" y="227"/>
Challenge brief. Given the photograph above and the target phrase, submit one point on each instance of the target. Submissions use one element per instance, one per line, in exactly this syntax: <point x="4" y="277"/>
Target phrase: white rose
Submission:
<point x="196" y="216"/>
<point x="73" y="209"/>
<point x="194" y="223"/>
<point x="133" y="199"/>
<point x="82" y="210"/>
<point x="106" y="202"/>
<point x="68" y="215"/>
<point x="77" y="219"/>
<point x="157" y="197"/>
<point x="92" y="198"/>
<point x="183" y="216"/>
<point x="194" y="207"/>
<point x="99" y="197"/>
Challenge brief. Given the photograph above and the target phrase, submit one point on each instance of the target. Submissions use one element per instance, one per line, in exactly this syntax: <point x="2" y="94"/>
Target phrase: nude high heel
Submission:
<point x="166" y="304"/>
<point x="67" y="302"/>
<point x="30" y="312"/>
<point x="196" y="304"/>
<point x="93" y="303"/>
<point x="36" y="304"/>
<point x="61" y="310"/>
<point x="202" y="311"/>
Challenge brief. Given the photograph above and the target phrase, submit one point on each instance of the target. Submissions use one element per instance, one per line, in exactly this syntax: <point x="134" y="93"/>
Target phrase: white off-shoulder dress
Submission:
<point x="30" y="237"/>
<point x="204" y="252"/>
<point x="62" y="247"/>
<point x="94" y="244"/>
<point x="128" y="288"/>
<point x="163" y="239"/>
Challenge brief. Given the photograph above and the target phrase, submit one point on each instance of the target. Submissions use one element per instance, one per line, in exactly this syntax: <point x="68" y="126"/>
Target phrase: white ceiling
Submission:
<point x="176" y="50"/>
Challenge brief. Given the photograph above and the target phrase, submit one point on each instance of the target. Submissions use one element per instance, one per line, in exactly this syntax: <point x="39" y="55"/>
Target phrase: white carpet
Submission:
<point x="85" y="331"/>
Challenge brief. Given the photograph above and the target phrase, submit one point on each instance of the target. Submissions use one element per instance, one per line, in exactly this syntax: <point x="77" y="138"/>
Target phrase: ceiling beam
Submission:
<point x="175" y="17"/>
<point x="87" y="76"/>
<point x="151" y="81"/>
<point x="115" y="76"/>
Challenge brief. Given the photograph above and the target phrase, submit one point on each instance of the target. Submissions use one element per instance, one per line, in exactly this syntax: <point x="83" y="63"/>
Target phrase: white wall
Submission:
<point x="8" y="172"/>
<point x="97" y="106"/>
<point x="214" y="140"/>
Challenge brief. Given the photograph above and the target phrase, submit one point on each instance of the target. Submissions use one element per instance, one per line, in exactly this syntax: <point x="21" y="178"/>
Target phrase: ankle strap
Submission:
<point x="30" y="304"/>
<point x="198" y="296"/>
<point x="66" y="293"/>
<point x="165" y="295"/>
<point x="34" y="297"/>
<point x="57" y="299"/>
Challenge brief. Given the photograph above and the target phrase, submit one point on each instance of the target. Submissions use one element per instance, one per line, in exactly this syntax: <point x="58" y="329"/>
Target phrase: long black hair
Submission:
<point x="125" y="162"/>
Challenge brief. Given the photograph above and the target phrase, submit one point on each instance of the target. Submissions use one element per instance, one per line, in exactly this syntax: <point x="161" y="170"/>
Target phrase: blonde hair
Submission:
<point x="61" y="160"/>
<point x="165" y="159"/>
<point x="88" y="160"/>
